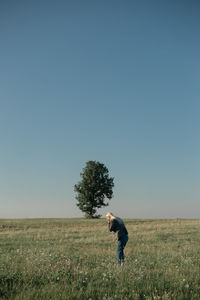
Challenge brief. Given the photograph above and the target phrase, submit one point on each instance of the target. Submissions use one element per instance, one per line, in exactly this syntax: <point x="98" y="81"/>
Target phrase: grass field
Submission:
<point x="75" y="259"/>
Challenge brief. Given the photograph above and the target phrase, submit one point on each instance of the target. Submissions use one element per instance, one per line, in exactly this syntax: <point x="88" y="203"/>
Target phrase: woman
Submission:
<point x="116" y="225"/>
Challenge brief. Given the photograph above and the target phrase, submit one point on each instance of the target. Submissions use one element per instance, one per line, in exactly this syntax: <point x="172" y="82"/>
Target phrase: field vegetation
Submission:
<point x="75" y="259"/>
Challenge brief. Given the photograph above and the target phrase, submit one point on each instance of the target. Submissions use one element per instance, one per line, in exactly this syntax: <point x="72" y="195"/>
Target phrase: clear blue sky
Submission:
<point x="112" y="81"/>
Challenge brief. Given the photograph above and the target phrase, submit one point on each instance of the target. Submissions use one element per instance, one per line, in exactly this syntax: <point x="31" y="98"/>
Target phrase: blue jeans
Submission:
<point x="120" y="248"/>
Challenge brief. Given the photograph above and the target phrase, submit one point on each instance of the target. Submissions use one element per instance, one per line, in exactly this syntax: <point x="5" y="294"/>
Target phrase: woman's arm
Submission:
<point x="112" y="225"/>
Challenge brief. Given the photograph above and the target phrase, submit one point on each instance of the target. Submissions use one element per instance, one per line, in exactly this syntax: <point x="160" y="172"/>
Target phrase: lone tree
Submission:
<point x="94" y="187"/>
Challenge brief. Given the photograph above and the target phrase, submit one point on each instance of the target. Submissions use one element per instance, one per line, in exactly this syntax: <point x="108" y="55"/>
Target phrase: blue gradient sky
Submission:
<point x="113" y="81"/>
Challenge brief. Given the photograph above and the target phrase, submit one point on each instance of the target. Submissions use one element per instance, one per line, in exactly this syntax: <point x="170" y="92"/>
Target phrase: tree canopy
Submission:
<point x="95" y="186"/>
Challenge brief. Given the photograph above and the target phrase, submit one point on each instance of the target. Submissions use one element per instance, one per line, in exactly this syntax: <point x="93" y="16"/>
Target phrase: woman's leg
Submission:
<point x="120" y="249"/>
<point x="124" y="241"/>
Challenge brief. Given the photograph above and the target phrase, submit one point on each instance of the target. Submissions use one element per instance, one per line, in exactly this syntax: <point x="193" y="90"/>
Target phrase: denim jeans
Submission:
<point x="120" y="248"/>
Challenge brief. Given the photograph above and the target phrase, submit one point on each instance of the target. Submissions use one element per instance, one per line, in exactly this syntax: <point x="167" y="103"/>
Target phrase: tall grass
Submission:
<point x="75" y="259"/>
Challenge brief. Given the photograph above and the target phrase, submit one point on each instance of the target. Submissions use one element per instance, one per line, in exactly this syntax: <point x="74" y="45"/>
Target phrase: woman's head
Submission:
<point x="109" y="216"/>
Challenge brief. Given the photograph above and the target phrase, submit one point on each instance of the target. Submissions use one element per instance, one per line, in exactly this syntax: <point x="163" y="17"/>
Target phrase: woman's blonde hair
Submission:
<point x="110" y="215"/>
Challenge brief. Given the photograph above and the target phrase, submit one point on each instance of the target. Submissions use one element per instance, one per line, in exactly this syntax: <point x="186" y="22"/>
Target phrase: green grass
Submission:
<point x="75" y="259"/>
